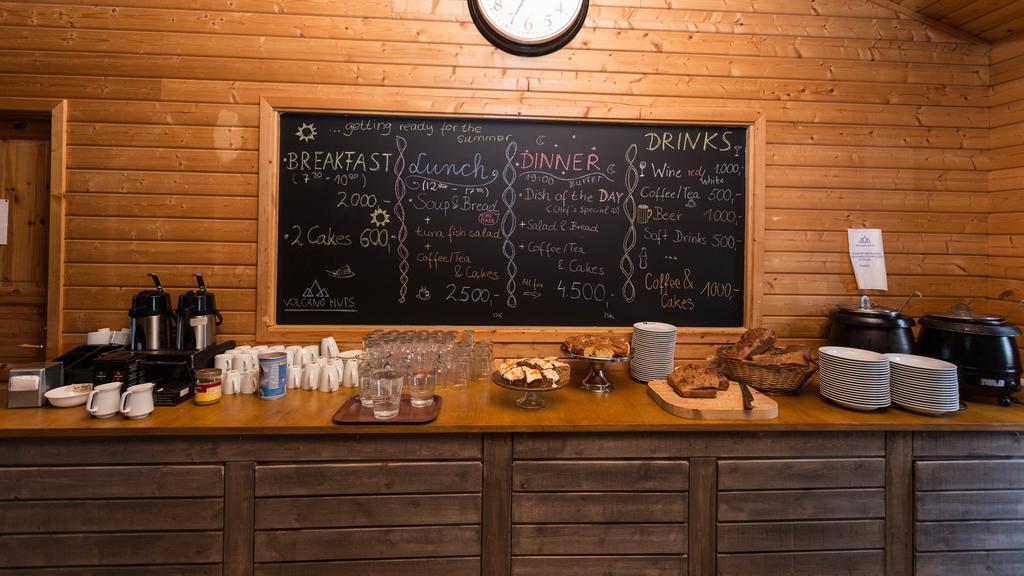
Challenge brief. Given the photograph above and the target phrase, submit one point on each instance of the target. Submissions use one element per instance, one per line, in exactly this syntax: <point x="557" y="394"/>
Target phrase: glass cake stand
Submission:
<point x="531" y="399"/>
<point x="596" y="381"/>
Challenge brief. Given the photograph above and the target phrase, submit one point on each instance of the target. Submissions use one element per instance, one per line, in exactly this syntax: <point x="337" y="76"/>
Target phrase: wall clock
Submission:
<point x="529" y="27"/>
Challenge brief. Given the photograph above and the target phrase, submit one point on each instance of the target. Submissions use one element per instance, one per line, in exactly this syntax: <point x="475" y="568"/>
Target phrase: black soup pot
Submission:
<point x="983" y="347"/>
<point x="871" y="327"/>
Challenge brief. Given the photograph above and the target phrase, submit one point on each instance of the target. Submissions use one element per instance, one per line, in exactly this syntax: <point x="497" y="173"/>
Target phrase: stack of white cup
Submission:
<point x="310" y="367"/>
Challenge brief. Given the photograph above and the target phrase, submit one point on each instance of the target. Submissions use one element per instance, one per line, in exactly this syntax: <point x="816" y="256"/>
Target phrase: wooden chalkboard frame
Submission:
<point x="515" y="340"/>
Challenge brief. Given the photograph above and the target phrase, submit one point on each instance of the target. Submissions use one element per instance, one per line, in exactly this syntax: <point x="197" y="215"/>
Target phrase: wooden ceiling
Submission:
<point x="991" y="20"/>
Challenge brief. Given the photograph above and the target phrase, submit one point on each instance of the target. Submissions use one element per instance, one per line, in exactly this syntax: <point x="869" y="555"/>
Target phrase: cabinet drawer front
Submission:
<point x="760" y="506"/>
<point x="599" y="507"/>
<point x="359" y="511"/>
<point x="960" y="536"/>
<point x="801" y="474"/>
<point x="798" y="536"/>
<point x="55" y="517"/>
<point x="354" y="544"/>
<point x="1002" y="563"/>
<point x="602" y="565"/>
<point x="374" y="478"/>
<point x="973" y="505"/>
<point x="416" y="567"/>
<point x="585" y="539"/>
<point x="119" y="548"/>
<point x="855" y="563"/>
<point x="110" y="482"/>
<point x="970" y="475"/>
<point x="599" y="475"/>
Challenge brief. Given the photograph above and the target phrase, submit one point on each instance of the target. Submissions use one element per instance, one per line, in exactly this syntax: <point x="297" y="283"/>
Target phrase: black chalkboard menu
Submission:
<point x="401" y="220"/>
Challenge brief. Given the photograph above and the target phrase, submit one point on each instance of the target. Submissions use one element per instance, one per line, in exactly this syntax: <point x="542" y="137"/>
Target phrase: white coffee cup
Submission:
<point x="97" y="338"/>
<point x="241" y="361"/>
<point x="243" y="348"/>
<point x="312" y="376"/>
<point x="260" y="349"/>
<point x="330" y="378"/>
<point x="222" y="362"/>
<point x="351" y="377"/>
<point x="120" y="337"/>
<point x="137" y="401"/>
<point x="328" y="347"/>
<point x="294" y="355"/>
<point x="231" y="382"/>
<point x="312" y="352"/>
<point x="276" y="348"/>
<point x="250" y="381"/>
<point x="104" y="400"/>
<point x="293" y="377"/>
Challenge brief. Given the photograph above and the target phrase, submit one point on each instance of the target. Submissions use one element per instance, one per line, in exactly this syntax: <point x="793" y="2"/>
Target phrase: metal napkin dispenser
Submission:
<point x="28" y="383"/>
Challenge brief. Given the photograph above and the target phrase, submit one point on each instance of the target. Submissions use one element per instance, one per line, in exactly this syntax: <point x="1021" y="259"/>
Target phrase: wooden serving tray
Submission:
<point x="728" y="405"/>
<point x="353" y="412"/>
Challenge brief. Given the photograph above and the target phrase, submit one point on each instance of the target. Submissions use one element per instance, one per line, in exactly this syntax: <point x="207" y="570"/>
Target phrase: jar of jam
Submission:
<point x="208" y="386"/>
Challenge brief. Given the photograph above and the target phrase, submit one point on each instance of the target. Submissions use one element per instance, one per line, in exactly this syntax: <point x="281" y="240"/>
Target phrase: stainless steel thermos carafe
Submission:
<point x="152" y="319"/>
<point x="197" y="318"/>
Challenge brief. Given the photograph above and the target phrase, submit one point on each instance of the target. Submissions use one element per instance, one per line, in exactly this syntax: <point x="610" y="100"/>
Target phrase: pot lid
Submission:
<point x="962" y="313"/>
<point x="867" y="307"/>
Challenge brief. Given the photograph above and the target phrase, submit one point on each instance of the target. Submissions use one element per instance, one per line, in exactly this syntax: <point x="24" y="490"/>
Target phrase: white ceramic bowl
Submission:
<point x="65" y="397"/>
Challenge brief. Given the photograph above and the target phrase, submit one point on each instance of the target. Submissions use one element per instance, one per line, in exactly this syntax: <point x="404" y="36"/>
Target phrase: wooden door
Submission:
<point x="24" y="183"/>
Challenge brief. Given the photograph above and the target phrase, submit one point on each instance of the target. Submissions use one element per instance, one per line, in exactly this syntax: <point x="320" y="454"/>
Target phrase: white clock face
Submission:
<point x="530" y="21"/>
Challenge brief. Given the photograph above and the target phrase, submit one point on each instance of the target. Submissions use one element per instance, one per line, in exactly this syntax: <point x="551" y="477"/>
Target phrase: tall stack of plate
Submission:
<point x="924" y="385"/>
<point x="654" y="351"/>
<point x="853" y="378"/>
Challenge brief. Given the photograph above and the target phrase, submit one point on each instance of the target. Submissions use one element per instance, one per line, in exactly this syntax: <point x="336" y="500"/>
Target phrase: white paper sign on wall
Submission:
<point x="4" y="205"/>
<point x="868" y="258"/>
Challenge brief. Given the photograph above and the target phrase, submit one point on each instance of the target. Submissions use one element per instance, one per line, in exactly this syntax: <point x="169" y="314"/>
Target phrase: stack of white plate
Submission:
<point x="924" y="385"/>
<point x="854" y="378"/>
<point x="654" y="351"/>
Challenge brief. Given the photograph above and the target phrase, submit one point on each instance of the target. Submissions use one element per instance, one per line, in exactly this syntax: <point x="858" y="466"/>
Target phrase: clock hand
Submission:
<point x="516" y="13"/>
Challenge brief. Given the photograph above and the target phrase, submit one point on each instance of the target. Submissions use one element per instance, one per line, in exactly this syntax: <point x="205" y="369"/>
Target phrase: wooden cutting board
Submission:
<point x="728" y="405"/>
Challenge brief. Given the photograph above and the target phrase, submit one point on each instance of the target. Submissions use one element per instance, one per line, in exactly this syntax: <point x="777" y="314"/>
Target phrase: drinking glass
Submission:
<point x="368" y="364"/>
<point x="482" y="357"/>
<point x="387" y="393"/>
<point x="459" y="370"/>
<point x="422" y="379"/>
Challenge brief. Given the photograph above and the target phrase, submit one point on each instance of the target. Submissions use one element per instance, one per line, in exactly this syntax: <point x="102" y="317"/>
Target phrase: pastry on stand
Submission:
<point x="599" y="350"/>
<point x="531" y="376"/>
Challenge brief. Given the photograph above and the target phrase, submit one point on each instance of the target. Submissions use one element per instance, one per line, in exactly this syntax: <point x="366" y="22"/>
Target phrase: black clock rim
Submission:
<point x="520" y="49"/>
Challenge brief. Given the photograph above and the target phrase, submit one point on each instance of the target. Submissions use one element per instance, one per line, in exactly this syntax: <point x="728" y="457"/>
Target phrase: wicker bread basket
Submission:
<point x="774" y="380"/>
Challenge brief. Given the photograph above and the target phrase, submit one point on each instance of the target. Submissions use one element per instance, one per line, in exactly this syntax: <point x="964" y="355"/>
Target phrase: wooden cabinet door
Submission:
<point x="24" y="177"/>
<point x="368" y="518"/>
<point x="801" y="517"/>
<point x="112" y="520"/>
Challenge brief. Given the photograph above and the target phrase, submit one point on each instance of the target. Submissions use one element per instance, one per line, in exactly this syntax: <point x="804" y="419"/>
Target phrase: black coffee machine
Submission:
<point x="197" y="318"/>
<point x="152" y="320"/>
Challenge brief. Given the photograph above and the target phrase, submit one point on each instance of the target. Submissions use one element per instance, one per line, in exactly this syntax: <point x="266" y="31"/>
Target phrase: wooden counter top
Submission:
<point x="488" y="408"/>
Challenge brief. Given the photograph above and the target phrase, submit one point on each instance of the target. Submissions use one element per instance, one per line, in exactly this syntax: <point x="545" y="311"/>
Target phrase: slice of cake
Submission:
<point x="539" y="373"/>
<point x="692" y="381"/>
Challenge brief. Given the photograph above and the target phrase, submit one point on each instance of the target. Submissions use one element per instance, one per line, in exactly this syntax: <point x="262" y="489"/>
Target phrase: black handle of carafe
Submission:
<point x="179" y="322"/>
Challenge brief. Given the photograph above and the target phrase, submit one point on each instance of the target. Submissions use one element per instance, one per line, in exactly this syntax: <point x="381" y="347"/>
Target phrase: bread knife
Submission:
<point x="748" y="398"/>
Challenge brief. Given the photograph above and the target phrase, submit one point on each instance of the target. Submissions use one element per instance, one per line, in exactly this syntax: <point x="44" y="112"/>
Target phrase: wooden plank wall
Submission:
<point x="874" y="120"/>
<point x="1006" y="181"/>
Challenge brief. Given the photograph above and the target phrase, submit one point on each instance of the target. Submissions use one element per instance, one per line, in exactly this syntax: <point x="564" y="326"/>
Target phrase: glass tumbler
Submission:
<point x="387" y="393"/>
<point x="368" y="364"/>
<point x="483" y="354"/>
<point x="422" y="379"/>
<point x="459" y="370"/>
